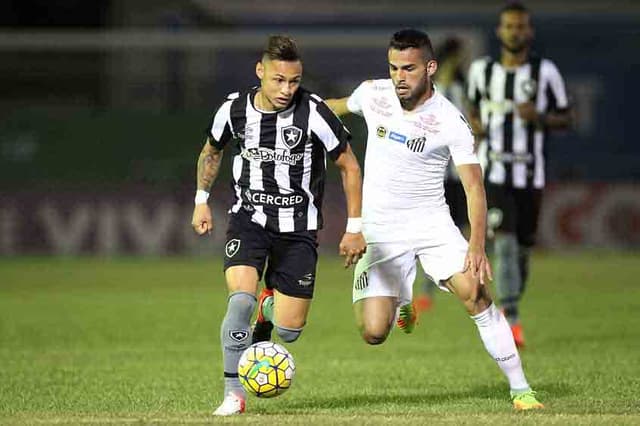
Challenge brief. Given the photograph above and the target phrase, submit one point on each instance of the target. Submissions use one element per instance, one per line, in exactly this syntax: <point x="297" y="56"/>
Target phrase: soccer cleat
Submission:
<point x="262" y="327"/>
<point x="231" y="405"/>
<point x="423" y="303"/>
<point x="518" y="335"/>
<point x="525" y="400"/>
<point x="407" y="318"/>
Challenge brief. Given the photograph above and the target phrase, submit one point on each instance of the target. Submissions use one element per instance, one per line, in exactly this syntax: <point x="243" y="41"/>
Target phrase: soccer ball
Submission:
<point x="266" y="369"/>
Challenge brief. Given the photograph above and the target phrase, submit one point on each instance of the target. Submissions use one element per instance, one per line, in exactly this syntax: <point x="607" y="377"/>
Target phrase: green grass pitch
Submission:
<point x="130" y="341"/>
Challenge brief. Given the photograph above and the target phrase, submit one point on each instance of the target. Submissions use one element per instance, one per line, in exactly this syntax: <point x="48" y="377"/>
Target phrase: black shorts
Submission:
<point x="514" y="210"/>
<point x="291" y="256"/>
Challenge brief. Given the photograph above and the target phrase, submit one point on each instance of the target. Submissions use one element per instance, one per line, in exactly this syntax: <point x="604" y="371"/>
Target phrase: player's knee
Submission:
<point x="288" y="334"/>
<point x="241" y="305"/>
<point x="374" y="338"/>
<point x="374" y="334"/>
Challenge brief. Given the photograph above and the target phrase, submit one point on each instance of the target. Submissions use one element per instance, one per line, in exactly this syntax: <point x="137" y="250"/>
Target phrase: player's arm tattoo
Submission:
<point x="208" y="166"/>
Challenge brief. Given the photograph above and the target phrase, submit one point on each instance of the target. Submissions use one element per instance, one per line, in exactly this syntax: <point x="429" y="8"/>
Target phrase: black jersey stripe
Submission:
<point x="531" y="127"/>
<point x="296" y="173"/>
<point x="268" y="134"/>
<point x="336" y="126"/>
<point x="316" y="184"/>
<point x="507" y="129"/>
<point x="238" y="120"/>
<point x="488" y="74"/>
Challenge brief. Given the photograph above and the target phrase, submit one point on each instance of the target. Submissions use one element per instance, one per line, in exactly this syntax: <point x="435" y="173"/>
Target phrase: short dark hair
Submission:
<point x="412" y="38"/>
<point x="281" y="48"/>
<point x="514" y="6"/>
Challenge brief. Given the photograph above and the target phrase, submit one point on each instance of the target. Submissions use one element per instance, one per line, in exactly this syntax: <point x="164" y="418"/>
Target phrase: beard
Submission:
<point x="409" y="100"/>
<point x="516" y="48"/>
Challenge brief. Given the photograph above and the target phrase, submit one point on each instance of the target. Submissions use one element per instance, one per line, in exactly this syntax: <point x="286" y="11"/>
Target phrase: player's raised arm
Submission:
<point x="338" y="106"/>
<point x="207" y="171"/>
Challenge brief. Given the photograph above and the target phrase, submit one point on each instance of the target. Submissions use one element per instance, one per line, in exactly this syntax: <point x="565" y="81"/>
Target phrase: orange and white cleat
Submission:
<point x="231" y="405"/>
<point x="518" y="335"/>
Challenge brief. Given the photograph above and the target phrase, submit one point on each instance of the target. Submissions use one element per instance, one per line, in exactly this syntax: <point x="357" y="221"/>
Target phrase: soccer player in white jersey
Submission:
<point x="516" y="100"/>
<point x="413" y="130"/>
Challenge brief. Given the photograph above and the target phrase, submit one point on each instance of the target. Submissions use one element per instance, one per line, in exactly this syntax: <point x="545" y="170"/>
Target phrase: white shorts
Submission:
<point x="389" y="268"/>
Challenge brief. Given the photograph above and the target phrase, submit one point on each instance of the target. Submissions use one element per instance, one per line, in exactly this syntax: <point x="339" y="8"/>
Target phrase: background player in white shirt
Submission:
<point x="413" y="130"/>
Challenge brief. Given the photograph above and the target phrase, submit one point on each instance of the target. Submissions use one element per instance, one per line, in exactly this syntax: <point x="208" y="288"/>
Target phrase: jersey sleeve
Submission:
<point x="220" y="131"/>
<point x="461" y="143"/>
<point x="475" y="81"/>
<point x="557" y="93"/>
<point x="329" y="130"/>
<point x="356" y="100"/>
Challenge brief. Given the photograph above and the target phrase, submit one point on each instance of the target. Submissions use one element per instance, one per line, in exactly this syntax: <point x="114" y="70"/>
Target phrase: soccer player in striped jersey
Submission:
<point x="412" y="132"/>
<point x="280" y="135"/>
<point x="516" y="100"/>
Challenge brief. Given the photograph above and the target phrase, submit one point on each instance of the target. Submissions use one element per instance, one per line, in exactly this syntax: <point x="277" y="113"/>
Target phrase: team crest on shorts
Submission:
<point x="362" y="282"/>
<point x="232" y="247"/>
<point x="238" y="335"/>
<point x="291" y="136"/>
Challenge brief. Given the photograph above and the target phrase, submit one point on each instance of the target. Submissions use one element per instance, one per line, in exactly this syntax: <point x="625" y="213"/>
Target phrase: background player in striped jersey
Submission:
<point x="516" y="100"/>
<point x="412" y="132"/>
<point x="280" y="135"/>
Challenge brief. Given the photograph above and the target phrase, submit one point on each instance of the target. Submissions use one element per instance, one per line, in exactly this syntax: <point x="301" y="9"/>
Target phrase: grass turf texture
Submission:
<point x="98" y="341"/>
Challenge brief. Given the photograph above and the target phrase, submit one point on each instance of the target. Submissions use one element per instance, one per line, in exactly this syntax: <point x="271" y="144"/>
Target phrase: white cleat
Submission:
<point x="232" y="404"/>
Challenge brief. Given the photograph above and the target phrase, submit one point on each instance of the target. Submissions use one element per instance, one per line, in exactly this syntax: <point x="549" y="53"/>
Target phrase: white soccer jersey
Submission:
<point x="406" y="160"/>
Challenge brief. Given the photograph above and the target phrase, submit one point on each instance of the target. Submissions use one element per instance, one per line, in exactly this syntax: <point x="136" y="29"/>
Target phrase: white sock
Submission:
<point x="498" y="340"/>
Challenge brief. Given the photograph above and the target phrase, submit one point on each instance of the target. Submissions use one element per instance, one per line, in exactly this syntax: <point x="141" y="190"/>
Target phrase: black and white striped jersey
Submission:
<point x="513" y="153"/>
<point x="279" y="158"/>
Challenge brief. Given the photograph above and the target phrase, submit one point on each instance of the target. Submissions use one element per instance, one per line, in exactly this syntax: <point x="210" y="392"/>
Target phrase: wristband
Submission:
<point x="354" y="225"/>
<point x="201" y="197"/>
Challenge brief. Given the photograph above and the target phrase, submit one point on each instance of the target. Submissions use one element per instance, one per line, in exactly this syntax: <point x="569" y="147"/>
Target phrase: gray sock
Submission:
<point x="508" y="278"/>
<point x="235" y="337"/>
<point x="524" y="254"/>
<point x="288" y="334"/>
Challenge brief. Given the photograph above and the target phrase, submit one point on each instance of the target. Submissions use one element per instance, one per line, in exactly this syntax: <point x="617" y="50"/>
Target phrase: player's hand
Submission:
<point x="352" y="247"/>
<point x="527" y="111"/>
<point x="477" y="261"/>
<point x="202" y="221"/>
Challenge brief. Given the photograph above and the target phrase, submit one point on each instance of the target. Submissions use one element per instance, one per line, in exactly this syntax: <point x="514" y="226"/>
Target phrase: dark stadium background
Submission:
<point x="104" y="103"/>
<point x="110" y="306"/>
